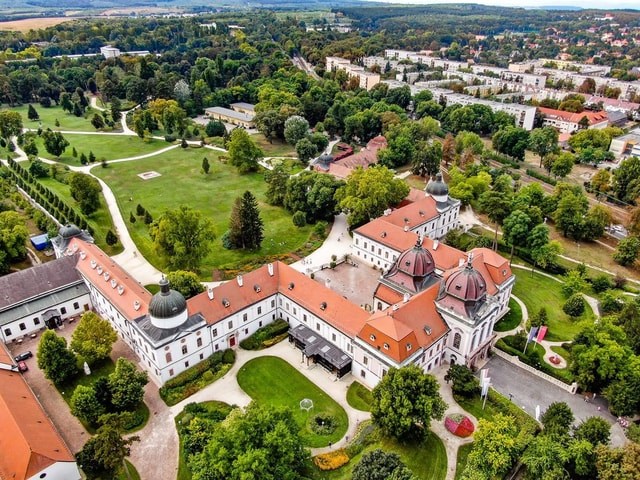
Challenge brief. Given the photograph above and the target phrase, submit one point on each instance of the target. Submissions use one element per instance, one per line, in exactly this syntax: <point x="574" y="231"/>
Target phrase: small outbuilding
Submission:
<point x="40" y="242"/>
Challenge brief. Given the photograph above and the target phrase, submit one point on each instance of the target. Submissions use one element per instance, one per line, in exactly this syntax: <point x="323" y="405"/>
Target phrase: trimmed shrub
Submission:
<point x="602" y="283"/>
<point x="574" y="307"/>
<point x="331" y="460"/>
<point x="323" y="424"/>
<point x="266" y="336"/>
<point x="229" y="356"/>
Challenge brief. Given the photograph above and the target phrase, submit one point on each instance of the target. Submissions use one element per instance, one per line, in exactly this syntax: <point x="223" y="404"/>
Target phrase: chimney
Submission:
<point x="405" y="298"/>
<point x="435" y="244"/>
<point x="270" y="268"/>
<point x="210" y="293"/>
<point x="239" y="279"/>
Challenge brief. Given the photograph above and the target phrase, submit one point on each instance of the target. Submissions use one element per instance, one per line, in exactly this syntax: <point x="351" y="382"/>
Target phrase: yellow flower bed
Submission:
<point x="331" y="460"/>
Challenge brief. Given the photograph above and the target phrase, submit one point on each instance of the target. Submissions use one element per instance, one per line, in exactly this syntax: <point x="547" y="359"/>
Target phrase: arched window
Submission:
<point x="168" y="357"/>
<point x="379" y="305"/>
<point x="457" y="339"/>
<point x="474" y="342"/>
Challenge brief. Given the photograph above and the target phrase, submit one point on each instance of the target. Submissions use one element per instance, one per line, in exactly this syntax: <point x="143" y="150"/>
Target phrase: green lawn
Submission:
<point x="111" y="147"/>
<point x="541" y="291"/>
<point x="100" y="221"/>
<point x="49" y="115"/>
<point x="461" y="461"/>
<point x="427" y="460"/>
<point x="359" y="397"/>
<point x="278" y="148"/>
<point x="512" y="319"/>
<point x="272" y="381"/>
<point x="182" y="183"/>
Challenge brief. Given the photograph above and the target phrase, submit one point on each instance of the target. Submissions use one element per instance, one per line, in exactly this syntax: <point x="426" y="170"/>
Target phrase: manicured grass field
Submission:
<point x="181" y="183"/>
<point x="512" y="319"/>
<point x="111" y="147"/>
<point x="461" y="461"/>
<point x="359" y="397"/>
<point x="48" y="117"/>
<point x="427" y="460"/>
<point x="278" y="148"/>
<point x="100" y="221"/>
<point x="542" y="291"/>
<point x="272" y="381"/>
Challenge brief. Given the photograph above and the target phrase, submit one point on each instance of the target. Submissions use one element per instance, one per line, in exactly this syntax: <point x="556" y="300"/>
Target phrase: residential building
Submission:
<point x="569" y="122"/>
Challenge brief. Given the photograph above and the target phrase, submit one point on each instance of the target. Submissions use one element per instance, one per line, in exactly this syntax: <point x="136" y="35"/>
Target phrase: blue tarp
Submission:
<point x="40" y="242"/>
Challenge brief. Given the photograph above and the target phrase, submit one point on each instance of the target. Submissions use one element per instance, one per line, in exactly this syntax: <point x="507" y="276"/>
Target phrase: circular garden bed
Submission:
<point x="458" y="424"/>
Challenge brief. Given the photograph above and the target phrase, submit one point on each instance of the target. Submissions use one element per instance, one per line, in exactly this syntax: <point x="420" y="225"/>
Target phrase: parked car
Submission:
<point x="23" y="356"/>
<point x="22" y="367"/>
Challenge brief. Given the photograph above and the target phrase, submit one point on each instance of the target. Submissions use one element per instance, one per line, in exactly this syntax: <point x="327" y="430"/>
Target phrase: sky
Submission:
<point x="609" y="4"/>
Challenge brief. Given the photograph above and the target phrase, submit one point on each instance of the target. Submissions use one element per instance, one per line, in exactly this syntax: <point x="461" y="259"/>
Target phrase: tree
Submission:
<point x="205" y="165"/>
<point x="627" y="251"/>
<point x="568" y="215"/>
<point x="32" y="113"/>
<point x="97" y="121"/>
<point x="187" y="283"/>
<point x="625" y="179"/>
<point x="621" y="463"/>
<point x="496" y="203"/>
<point x="215" y="128"/>
<point x="295" y="129"/>
<point x="405" y="401"/>
<point x="543" y="141"/>
<point x="93" y="338"/>
<point x="246" y="229"/>
<point x="10" y="124"/>
<point x="464" y="381"/>
<point x="107" y="450"/>
<point x="276" y="184"/>
<point x="377" y="465"/>
<point x="468" y="141"/>
<point x="38" y="169"/>
<point x="545" y="458"/>
<point x="515" y="230"/>
<point x="369" y="192"/>
<point x="85" y="405"/>
<point x="557" y="419"/>
<point x="574" y="306"/>
<point x="183" y="236"/>
<point x="243" y="152"/>
<point x="595" y="430"/>
<point x="56" y="361"/>
<point x="306" y="150"/>
<point x="182" y="91"/>
<point x="427" y="159"/>
<point x="126" y="385"/>
<point x="86" y="190"/>
<point x="561" y="164"/>
<point x="111" y="238"/>
<point x="31" y="149"/>
<point x="13" y="238"/>
<point x="261" y="442"/>
<point x="115" y="110"/>
<point x="511" y="141"/>
<point x="601" y="181"/>
<point x="54" y="142"/>
<point x="497" y="445"/>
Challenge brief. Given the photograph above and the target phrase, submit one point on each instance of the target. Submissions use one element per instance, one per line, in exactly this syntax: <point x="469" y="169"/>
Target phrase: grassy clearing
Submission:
<point x="33" y="23"/>
<point x="271" y="381"/>
<point x="543" y="291"/>
<point x="512" y="319"/>
<point x="110" y="147"/>
<point x="100" y="221"/>
<point x="48" y="117"/>
<point x="461" y="461"/>
<point x="182" y="183"/>
<point x="278" y="148"/>
<point x="427" y="460"/>
<point x="359" y="397"/>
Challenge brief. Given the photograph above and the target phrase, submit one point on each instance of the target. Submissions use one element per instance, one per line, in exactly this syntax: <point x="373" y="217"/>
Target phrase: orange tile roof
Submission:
<point x="415" y="195"/>
<point x="593" y="117"/>
<point x="309" y="294"/>
<point x="496" y="266"/>
<point x="388" y="234"/>
<point x="416" y="213"/>
<point x="28" y="439"/>
<point x="406" y="325"/>
<point x="132" y="291"/>
<point x="387" y="294"/>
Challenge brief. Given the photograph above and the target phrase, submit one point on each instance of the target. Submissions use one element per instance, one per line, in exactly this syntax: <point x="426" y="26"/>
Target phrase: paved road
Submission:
<point x="528" y="391"/>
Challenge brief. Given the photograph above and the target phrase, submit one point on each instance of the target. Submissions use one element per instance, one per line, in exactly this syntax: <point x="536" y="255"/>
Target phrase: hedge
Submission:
<point x="540" y="176"/>
<point x="197" y="377"/>
<point x="532" y="358"/>
<point x="267" y="336"/>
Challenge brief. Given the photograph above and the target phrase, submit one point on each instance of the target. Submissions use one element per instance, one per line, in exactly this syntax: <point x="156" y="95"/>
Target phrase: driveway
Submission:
<point x="528" y="391"/>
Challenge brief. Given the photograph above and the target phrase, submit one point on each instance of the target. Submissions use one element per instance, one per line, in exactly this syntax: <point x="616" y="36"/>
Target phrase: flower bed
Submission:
<point x="458" y="424"/>
<point x="331" y="460"/>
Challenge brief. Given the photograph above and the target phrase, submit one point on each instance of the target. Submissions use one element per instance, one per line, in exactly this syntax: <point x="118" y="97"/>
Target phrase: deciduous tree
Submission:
<point x="378" y="465"/>
<point x="405" y="401"/>
<point x="10" y="124"/>
<point x="183" y="236"/>
<point x="93" y="338"/>
<point x="126" y="385"/>
<point x="85" y="405"/>
<point x="54" y="358"/>
<point x="243" y="152"/>
<point x="86" y="190"/>
<point x="54" y="142"/>
<point x="187" y="283"/>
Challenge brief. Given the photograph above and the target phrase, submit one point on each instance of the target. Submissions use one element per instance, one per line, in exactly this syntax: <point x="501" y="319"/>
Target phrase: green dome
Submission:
<point x="167" y="304"/>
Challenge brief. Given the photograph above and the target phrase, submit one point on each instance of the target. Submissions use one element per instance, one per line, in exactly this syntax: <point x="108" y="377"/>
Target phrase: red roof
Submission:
<point x="593" y="117"/>
<point x="28" y="439"/>
<point x="414" y="214"/>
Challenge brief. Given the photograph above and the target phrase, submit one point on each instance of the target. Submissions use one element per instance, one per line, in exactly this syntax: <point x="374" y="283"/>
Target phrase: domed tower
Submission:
<point x="438" y="189"/>
<point x="168" y="308"/>
<point x="464" y="291"/>
<point x="66" y="234"/>
<point x="413" y="268"/>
